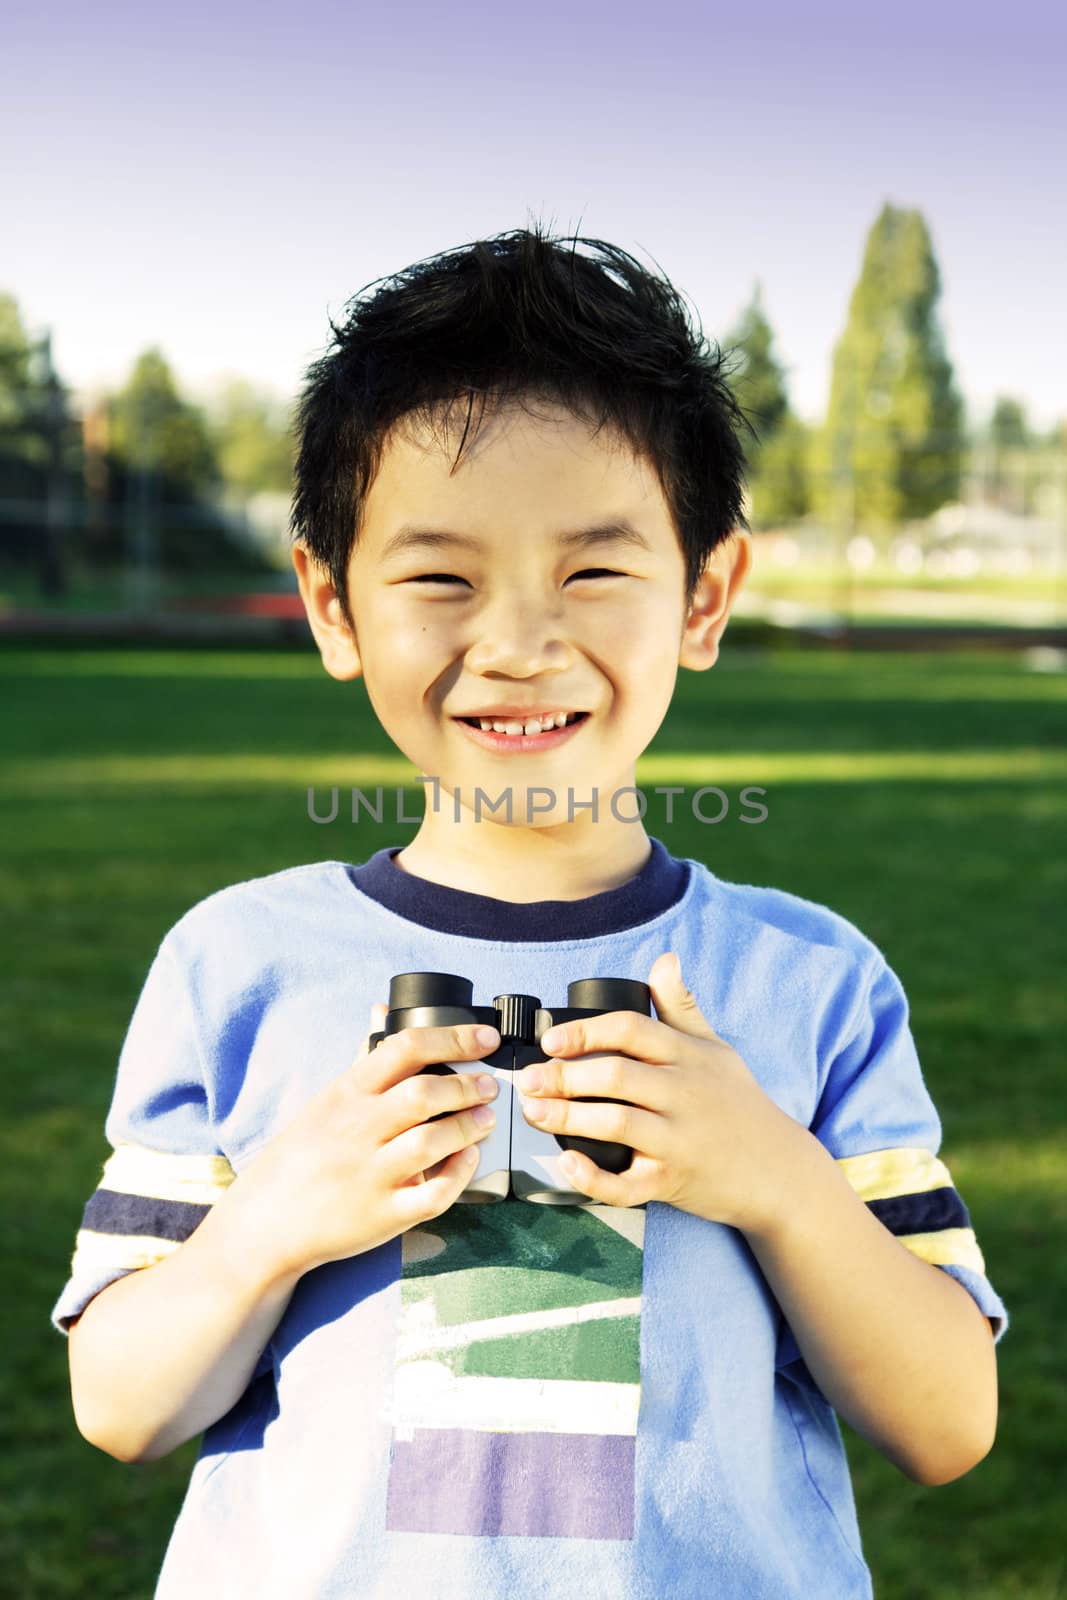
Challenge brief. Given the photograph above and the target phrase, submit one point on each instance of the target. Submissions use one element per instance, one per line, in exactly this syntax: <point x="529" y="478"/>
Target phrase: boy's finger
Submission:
<point x="378" y="1013"/>
<point x="405" y="1054"/>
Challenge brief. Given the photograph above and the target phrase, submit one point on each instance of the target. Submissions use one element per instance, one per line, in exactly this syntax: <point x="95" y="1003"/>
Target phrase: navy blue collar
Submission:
<point x="660" y="884"/>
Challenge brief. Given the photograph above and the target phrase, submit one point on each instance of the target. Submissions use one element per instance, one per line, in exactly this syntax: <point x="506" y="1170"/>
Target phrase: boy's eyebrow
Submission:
<point x="412" y="537"/>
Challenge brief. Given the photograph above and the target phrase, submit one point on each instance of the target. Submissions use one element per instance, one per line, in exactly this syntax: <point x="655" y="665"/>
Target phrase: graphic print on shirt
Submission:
<point x="517" y="1379"/>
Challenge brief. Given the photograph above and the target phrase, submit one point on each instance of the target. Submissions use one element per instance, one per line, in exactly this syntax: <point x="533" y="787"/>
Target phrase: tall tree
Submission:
<point x="777" y="456"/>
<point x="1012" y="462"/>
<point x="37" y="449"/>
<point x="153" y="427"/>
<point x="892" y="443"/>
<point x="1007" y="426"/>
<point x="758" y="380"/>
<point x="15" y="357"/>
<point x="250" y="432"/>
<point x="27" y="380"/>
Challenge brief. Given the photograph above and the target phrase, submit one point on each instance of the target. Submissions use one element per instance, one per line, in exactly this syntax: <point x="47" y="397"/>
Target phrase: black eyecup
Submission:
<point x="609" y="994"/>
<point x="410" y="989"/>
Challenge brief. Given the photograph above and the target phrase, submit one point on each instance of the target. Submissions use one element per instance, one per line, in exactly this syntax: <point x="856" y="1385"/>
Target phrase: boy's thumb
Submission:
<point x="675" y="1004"/>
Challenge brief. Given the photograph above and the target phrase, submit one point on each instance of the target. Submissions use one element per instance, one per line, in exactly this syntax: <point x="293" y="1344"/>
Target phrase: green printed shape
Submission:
<point x="607" y="1351"/>
<point x="513" y="1257"/>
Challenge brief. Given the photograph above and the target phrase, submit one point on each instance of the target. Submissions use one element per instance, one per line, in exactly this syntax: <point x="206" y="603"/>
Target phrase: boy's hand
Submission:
<point x="706" y="1137"/>
<point x="361" y="1162"/>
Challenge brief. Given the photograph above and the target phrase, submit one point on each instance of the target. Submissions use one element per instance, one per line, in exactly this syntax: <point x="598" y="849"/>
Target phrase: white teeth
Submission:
<point x="534" y="725"/>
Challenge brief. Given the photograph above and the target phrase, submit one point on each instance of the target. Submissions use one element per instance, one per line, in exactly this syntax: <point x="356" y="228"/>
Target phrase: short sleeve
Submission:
<point x="165" y="1170"/>
<point x="877" y="1119"/>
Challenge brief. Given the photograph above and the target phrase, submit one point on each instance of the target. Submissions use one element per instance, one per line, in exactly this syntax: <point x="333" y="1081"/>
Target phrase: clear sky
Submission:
<point x="218" y="178"/>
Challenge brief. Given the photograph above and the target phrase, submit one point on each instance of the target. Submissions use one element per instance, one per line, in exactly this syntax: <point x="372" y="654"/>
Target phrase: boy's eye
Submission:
<point x="451" y="577"/>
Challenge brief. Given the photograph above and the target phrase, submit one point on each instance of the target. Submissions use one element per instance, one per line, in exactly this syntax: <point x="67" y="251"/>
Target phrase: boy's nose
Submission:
<point x="520" y="632"/>
<point x="523" y="643"/>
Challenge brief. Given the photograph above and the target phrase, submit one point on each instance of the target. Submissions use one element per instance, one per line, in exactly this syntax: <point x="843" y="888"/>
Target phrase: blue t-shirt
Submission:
<point x="515" y="1401"/>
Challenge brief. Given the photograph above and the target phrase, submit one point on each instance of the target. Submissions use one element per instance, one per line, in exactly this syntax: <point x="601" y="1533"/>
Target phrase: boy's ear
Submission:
<point x="718" y="587"/>
<point x="335" y="639"/>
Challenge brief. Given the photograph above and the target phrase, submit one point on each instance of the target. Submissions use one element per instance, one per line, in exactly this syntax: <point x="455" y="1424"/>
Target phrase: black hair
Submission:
<point x="509" y="319"/>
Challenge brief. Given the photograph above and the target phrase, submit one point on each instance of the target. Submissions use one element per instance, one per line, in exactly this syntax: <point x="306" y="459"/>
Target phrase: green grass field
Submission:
<point x="921" y="795"/>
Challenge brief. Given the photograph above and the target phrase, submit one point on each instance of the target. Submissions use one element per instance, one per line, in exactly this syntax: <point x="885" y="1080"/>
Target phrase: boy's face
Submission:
<point x="518" y="617"/>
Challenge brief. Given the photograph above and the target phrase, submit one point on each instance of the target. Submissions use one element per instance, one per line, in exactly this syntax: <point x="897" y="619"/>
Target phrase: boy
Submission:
<point x="625" y="1399"/>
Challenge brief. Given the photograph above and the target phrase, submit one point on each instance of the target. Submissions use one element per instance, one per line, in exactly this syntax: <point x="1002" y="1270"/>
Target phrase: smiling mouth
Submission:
<point x="519" y="742"/>
<point x="515" y="728"/>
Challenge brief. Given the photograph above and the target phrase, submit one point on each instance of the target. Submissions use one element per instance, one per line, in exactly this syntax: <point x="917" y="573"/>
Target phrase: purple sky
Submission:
<point x="215" y="179"/>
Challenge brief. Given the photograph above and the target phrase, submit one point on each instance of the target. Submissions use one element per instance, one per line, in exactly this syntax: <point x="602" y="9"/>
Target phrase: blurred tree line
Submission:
<point x="145" y="480"/>
<point x="141" y="477"/>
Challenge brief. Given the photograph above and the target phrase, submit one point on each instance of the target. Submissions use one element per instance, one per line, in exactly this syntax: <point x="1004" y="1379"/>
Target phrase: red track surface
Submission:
<point x="244" y="605"/>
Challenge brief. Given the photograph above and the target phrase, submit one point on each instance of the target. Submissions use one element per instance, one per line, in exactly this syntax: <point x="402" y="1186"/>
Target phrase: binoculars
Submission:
<point x="515" y="1156"/>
